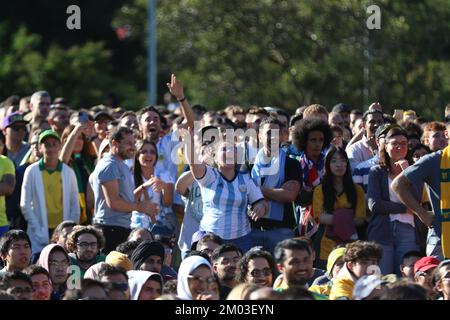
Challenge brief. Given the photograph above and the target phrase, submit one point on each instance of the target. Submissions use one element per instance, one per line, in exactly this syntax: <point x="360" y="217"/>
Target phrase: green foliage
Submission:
<point x="81" y="73"/>
<point x="283" y="53"/>
<point x="291" y="53"/>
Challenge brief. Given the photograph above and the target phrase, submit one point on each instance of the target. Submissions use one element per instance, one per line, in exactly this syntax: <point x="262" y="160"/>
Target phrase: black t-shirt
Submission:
<point x="292" y="171"/>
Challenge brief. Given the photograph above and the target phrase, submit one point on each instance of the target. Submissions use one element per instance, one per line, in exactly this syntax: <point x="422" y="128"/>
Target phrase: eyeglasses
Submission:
<point x="256" y="273"/>
<point x="198" y="280"/>
<point x="84" y="245"/>
<point x="398" y="144"/>
<point x="53" y="263"/>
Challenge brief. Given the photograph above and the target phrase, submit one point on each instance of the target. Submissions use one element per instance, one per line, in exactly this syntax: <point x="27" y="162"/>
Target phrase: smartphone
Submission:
<point x="83" y="117"/>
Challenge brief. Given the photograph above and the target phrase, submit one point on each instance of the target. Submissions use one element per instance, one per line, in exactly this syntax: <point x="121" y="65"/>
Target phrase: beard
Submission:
<point x="87" y="257"/>
<point x="123" y="154"/>
<point x="295" y="280"/>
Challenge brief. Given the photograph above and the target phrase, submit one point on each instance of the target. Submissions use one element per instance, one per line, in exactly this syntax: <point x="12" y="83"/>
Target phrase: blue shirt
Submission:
<point x="361" y="172"/>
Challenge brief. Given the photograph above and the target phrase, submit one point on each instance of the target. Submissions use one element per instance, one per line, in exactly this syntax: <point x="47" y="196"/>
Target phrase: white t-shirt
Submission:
<point x="401" y="217"/>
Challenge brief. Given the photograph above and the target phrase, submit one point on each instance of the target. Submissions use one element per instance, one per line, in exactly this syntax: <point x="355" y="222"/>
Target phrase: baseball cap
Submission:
<point x="14" y="117"/>
<point x="365" y="285"/>
<point x="384" y="128"/>
<point x="102" y="113"/>
<point x="426" y="263"/>
<point x="333" y="257"/>
<point x="48" y="133"/>
<point x="372" y="111"/>
<point x="341" y="107"/>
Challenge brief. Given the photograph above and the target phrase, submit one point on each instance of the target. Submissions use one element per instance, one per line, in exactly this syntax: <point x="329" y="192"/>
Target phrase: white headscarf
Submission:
<point x="187" y="266"/>
<point x="137" y="279"/>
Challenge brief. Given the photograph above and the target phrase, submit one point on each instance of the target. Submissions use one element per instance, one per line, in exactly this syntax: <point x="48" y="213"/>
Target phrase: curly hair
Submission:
<point x="305" y="126"/>
<point x="78" y="230"/>
<point x="362" y="250"/>
<point x="242" y="266"/>
<point x="313" y="110"/>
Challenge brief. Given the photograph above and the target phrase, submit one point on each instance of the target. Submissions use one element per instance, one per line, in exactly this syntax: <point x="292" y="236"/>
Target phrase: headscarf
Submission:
<point x="119" y="259"/>
<point x="137" y="279"/>
<point x="187" y="266"/>
<point x="92" y="272"/>
<point x="144" y="250"/>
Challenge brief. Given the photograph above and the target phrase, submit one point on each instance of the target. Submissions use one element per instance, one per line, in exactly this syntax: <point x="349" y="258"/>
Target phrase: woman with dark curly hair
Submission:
<point x="84" y="244"/>
<point x="312" y="138"/>
<point x="256" y="267"/>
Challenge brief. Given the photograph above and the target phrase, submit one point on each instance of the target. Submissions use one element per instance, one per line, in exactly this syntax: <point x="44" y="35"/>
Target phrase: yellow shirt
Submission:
<point x="342" y="286"/>
<point x="6" y="167"/>
<point x="327" y="245"/>
<point x="53" y="197"/>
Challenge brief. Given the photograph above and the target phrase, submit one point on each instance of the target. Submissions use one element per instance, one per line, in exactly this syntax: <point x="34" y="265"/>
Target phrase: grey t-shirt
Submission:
<point x="428" y="170"/>
<point x="110" y="168"/>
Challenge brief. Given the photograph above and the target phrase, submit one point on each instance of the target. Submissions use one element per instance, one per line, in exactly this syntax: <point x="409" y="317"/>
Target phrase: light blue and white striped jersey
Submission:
<point x="225" y="203"/>
<point x="168" y="145"/>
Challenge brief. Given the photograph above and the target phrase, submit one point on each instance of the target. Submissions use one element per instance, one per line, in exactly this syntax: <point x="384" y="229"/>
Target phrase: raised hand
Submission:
<point x="176" y="87"/>
<point x="376" y="106"/>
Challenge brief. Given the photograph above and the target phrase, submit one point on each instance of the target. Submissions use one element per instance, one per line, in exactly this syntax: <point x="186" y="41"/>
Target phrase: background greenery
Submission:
<point x="283" y="53"/>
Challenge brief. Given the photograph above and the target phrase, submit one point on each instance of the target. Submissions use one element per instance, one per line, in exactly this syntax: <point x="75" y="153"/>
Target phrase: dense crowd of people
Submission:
<point x="183" y="202"/>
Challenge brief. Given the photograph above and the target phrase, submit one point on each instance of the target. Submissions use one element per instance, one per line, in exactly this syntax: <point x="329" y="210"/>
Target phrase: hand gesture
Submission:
<point x="149" y="208"/>
<point x="258" y="211"/>
<point x="403" y="164"/>
<point x="189" y="149"/>
<point x="176" y="88"/>
<point x="155" y="183"/>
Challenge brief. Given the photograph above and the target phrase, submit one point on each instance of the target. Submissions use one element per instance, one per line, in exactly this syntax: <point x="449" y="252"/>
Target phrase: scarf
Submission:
<point x="312" y="172"/>
<point x="445" y="202"/>
<point x="272" y="171"/>
<point x="312" y="176"/>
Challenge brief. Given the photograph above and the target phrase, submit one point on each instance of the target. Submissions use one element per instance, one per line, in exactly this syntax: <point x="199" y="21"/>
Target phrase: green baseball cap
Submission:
<point x="48" y="133"/>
